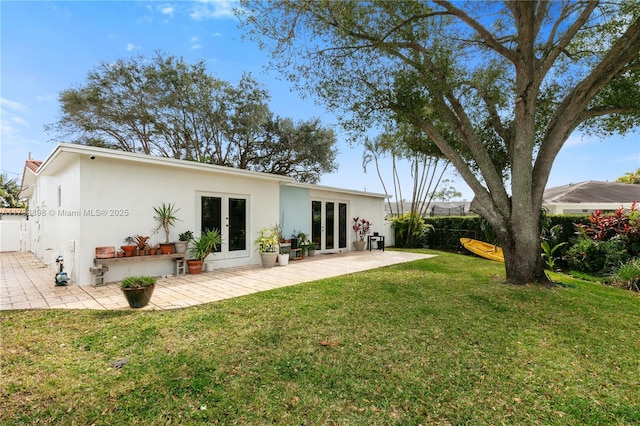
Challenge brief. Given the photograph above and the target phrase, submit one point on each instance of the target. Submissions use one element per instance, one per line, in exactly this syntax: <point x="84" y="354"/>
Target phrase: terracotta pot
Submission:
<point x="195" y="266"/>
<point x="166" y="248"/>
<point x="359" y="245"/>
<point x="105" y="252"/>
<point x="129" y="250"/>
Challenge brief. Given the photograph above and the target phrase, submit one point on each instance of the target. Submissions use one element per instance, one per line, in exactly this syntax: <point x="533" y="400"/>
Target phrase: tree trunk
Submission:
<point x="522" y="252"/>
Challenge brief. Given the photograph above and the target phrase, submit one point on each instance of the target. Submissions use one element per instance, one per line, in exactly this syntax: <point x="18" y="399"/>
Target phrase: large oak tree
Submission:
<point x="168" y="107"/>
<point x="497" y="86"/>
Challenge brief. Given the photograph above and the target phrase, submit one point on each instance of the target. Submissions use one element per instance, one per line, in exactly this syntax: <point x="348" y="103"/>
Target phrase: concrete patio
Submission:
<point x="27" y="283"/>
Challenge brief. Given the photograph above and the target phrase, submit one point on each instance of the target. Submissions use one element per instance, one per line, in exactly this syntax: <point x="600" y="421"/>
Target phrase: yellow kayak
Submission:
<point x="486" y="250"/>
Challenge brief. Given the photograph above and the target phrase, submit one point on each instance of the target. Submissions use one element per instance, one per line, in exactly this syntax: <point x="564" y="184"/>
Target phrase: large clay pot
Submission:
<point x="129" y="250"/>
<point x="195" y="266"/>
<point x="359" y="245"/>
<point x="138" y="297"/>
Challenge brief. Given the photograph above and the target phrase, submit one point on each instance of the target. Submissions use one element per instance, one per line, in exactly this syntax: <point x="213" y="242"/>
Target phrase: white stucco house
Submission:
<point x="83" y="197"/>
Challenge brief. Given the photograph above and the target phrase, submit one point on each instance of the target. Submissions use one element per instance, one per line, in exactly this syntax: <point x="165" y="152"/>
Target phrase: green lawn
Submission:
<point x="437" y="341"/>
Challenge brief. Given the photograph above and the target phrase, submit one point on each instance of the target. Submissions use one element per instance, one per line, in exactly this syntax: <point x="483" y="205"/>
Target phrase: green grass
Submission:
<point x="438" y="341"/>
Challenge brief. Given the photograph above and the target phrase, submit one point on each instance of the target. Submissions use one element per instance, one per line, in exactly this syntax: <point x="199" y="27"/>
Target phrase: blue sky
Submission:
<point x="50" y="46"/>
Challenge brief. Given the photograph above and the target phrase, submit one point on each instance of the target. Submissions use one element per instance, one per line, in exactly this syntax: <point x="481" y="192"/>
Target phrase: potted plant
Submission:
<point x="166" y="217"/>
<point x="141" y="242"/>
<point x="311" y="249"/>
<point x="183" y="241"/>
<point x="138" y="290"/>
<point x="283" y="257"/>
<point x="268" y="245"/>
<point x="201" y="248"/>
<point x="361" y="228"/>
<point x="130" y="248"/>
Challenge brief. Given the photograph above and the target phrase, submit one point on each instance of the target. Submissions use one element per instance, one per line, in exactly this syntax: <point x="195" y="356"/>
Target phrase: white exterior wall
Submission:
<point x="128" y="191"/>
<point x="52" y="233"/>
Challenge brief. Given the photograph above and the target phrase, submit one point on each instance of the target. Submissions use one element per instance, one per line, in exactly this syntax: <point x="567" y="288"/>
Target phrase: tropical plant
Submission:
<point x="141" y="241"/>
<point x="166" y="217"/>
<point x="10" y="192"/>
<point x="361" y="227"/>
<point x="208" y="243"/>
<point x="135" y="282"/>
<point x="550" y="244"/>
<point x="268" y="240"/>
<point x="410" y="230"/>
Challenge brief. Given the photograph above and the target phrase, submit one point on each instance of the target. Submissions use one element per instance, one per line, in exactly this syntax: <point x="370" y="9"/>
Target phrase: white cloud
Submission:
<point x="213" y="9"/>
<point x="12" y="121"/>
<point x="194" y="39"/>
<point x="13" y="106"/>
<point x="196" y="46"/>
<point x="167" y="10"/>
<point x="130" y="47"/>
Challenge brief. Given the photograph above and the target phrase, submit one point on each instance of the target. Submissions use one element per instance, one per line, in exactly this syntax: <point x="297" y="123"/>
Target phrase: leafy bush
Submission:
<point x="597" y="257"/>
<point x="619" y="224"/>
<point x="410" y="230"/>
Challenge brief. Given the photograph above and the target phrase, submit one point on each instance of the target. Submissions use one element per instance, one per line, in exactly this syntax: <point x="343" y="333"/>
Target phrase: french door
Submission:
<point x="228" y="213"/>
<point x="329" y="225"/>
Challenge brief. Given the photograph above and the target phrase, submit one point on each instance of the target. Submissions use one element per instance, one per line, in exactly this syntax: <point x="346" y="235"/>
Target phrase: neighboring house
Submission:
<point x="13" y="229"/>
<point x="84" y="197"/>
<point x="589" y="196"/>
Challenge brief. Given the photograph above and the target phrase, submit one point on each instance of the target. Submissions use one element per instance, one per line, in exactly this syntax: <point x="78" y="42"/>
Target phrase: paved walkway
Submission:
<point x="27" y="283"/>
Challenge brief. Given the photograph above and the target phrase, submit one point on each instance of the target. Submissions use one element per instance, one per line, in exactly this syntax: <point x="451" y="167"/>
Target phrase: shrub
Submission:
<point x="628" y="275"/>
<point x="597" y="257"/>
<point x="410" y="230"/>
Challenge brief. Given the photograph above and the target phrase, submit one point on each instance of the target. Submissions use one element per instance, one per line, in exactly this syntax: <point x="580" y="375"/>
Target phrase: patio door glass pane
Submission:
<point x="342" y="225"/>
<point x="237" y="224"/>
<point x="211" y="215"/>
<point x="316" y="223"/>
<point x="329" y="225"/>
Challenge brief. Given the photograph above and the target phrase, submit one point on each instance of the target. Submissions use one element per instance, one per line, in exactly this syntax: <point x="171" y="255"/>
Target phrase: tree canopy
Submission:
<point x="498" y="87"/>
<point x="630" y="177"/>
<point x="10" y="192"/>
<point x="167" y="107"/>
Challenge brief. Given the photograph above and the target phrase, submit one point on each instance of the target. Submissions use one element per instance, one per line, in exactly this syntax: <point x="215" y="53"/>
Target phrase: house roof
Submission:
<point x="593" y="192"/>
<point x="32" y="165"/>
<point x="66" y="152"/>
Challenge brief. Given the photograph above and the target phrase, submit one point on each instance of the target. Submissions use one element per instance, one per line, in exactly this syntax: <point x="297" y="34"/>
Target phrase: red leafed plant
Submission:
<point x="603" y="227"/>
<point x="361" y="227"/>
